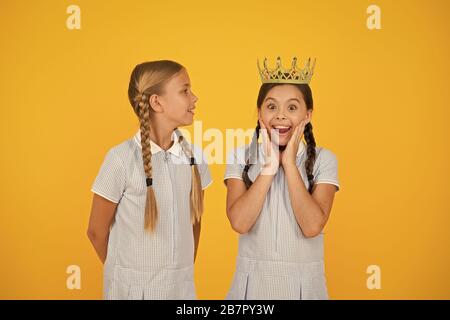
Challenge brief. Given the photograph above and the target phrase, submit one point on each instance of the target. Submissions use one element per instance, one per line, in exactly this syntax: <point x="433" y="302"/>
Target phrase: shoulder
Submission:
<point x="124" y="151"/>
<point x="324" y="155"/>
<point x="202" y="165"/>
<point x="198" y="153"/>
<point x="237" y="155"/>
<point x="326" y="162"/>
<point x="326" y="167"/>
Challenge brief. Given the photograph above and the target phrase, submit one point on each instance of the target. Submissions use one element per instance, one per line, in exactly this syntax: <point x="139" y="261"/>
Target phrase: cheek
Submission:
<point x="265" y="117"/>
<point x="178" y="105"/>
<point x="297" y="117"/>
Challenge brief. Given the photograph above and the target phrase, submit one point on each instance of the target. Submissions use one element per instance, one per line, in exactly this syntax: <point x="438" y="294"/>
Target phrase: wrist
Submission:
<point x="269" y="170"/>
<point x="290" y="165"/>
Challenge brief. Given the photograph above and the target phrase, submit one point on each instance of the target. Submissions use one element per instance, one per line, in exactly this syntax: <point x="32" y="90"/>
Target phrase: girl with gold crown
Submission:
<point x="280" y="194"/>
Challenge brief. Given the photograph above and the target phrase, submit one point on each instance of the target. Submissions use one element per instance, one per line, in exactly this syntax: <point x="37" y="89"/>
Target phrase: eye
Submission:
<point x="186" y="91"/>
<point x="271" y="106"/>
<point x="292" y="107"/>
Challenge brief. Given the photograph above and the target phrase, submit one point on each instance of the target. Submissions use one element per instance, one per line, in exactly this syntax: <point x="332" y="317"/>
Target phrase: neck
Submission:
<point x="161" y="134"/>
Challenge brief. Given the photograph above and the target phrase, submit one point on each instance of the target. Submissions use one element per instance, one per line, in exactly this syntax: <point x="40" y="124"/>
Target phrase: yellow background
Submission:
<point x="381" y="105"/>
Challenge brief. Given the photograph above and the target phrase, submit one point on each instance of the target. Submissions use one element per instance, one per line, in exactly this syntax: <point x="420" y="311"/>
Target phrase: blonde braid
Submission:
<point x="149" y="78"/>
<point x="151" y="209"/>
<point x="196" y="198"/>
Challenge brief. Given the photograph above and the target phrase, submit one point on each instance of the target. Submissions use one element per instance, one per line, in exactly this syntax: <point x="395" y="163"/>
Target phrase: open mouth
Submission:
<point x="282" y="130"/>
<point x="191" y="111"/>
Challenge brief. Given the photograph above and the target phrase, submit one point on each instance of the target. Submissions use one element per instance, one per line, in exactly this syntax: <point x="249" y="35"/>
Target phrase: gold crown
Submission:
<point x="281" y="75"/>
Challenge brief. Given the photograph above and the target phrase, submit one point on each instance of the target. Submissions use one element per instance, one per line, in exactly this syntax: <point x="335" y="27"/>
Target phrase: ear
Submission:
<point x="155" y="104"/>
<point x="308" y="115"/>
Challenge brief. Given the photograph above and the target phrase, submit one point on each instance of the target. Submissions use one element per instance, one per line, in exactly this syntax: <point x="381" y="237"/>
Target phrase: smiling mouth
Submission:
<point x="282" y="130"/>
<point x="191" y="110"/>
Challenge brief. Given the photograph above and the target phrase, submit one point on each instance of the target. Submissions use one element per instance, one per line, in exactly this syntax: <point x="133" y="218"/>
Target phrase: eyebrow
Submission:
<point x="270" y="98"/>
<point x="186" y="85"/>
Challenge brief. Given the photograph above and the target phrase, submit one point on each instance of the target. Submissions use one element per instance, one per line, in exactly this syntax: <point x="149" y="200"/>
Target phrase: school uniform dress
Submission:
<point x="140" y="264"/>
<point x="275" y="260"/>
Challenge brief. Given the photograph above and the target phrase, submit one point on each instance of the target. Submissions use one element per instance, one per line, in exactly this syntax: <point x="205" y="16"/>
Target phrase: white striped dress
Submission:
<point x="141" y="265"/>
<point x="275" y="260"/>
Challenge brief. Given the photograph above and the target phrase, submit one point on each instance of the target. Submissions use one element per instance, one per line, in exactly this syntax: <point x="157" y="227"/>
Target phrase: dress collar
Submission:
<point x="175" y="149"/>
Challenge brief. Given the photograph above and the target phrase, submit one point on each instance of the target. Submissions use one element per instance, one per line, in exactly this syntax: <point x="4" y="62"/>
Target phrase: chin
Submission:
<point x="187" y="122"/>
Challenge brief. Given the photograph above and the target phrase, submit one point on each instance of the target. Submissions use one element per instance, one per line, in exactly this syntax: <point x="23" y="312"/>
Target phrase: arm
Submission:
<point x="102" y="216"/>
<point x="244" y="206"/>
<point x="311" y="210"/>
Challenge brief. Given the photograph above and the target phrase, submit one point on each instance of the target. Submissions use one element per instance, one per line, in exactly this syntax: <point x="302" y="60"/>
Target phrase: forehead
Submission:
<point x="284" y="92"/>
<point x="179" y="79"/>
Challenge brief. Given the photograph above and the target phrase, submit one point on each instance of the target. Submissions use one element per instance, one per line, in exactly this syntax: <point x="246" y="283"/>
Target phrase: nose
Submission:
<point x="194" y="98"/>
<point x="280" y="116"/>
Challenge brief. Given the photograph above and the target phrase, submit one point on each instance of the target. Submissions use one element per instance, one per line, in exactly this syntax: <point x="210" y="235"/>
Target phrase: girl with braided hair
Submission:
<point x="148" y="196"/>
<point x="279" y="197"/>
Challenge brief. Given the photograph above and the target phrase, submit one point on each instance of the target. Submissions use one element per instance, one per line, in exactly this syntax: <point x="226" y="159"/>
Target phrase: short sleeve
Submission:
<point x="327" y="171"/>
<point x="203" y="168"/>
<point x="111" y="179"/>
<point x="235" y="164"/>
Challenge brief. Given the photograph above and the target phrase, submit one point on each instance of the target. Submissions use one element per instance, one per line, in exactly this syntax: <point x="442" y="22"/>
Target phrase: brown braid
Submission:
<point x="252" y="154"/>
<point x="310" y="155"/>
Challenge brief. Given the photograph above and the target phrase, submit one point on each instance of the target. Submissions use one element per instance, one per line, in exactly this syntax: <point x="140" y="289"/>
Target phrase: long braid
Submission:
<point x="310" y="154"/>
<point x="252" y="156"/>
<point x="196" y="198"/>
<point x="148" y="79"/>
<point x="151" y="209"/>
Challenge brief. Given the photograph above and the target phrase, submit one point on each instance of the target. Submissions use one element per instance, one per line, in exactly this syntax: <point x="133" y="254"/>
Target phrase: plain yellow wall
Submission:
<point x="381" y="105"/>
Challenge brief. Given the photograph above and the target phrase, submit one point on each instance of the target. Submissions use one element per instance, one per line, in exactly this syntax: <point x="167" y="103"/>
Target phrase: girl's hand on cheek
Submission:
<point x="271" y="152"/>
<point x="289" y="155"/>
